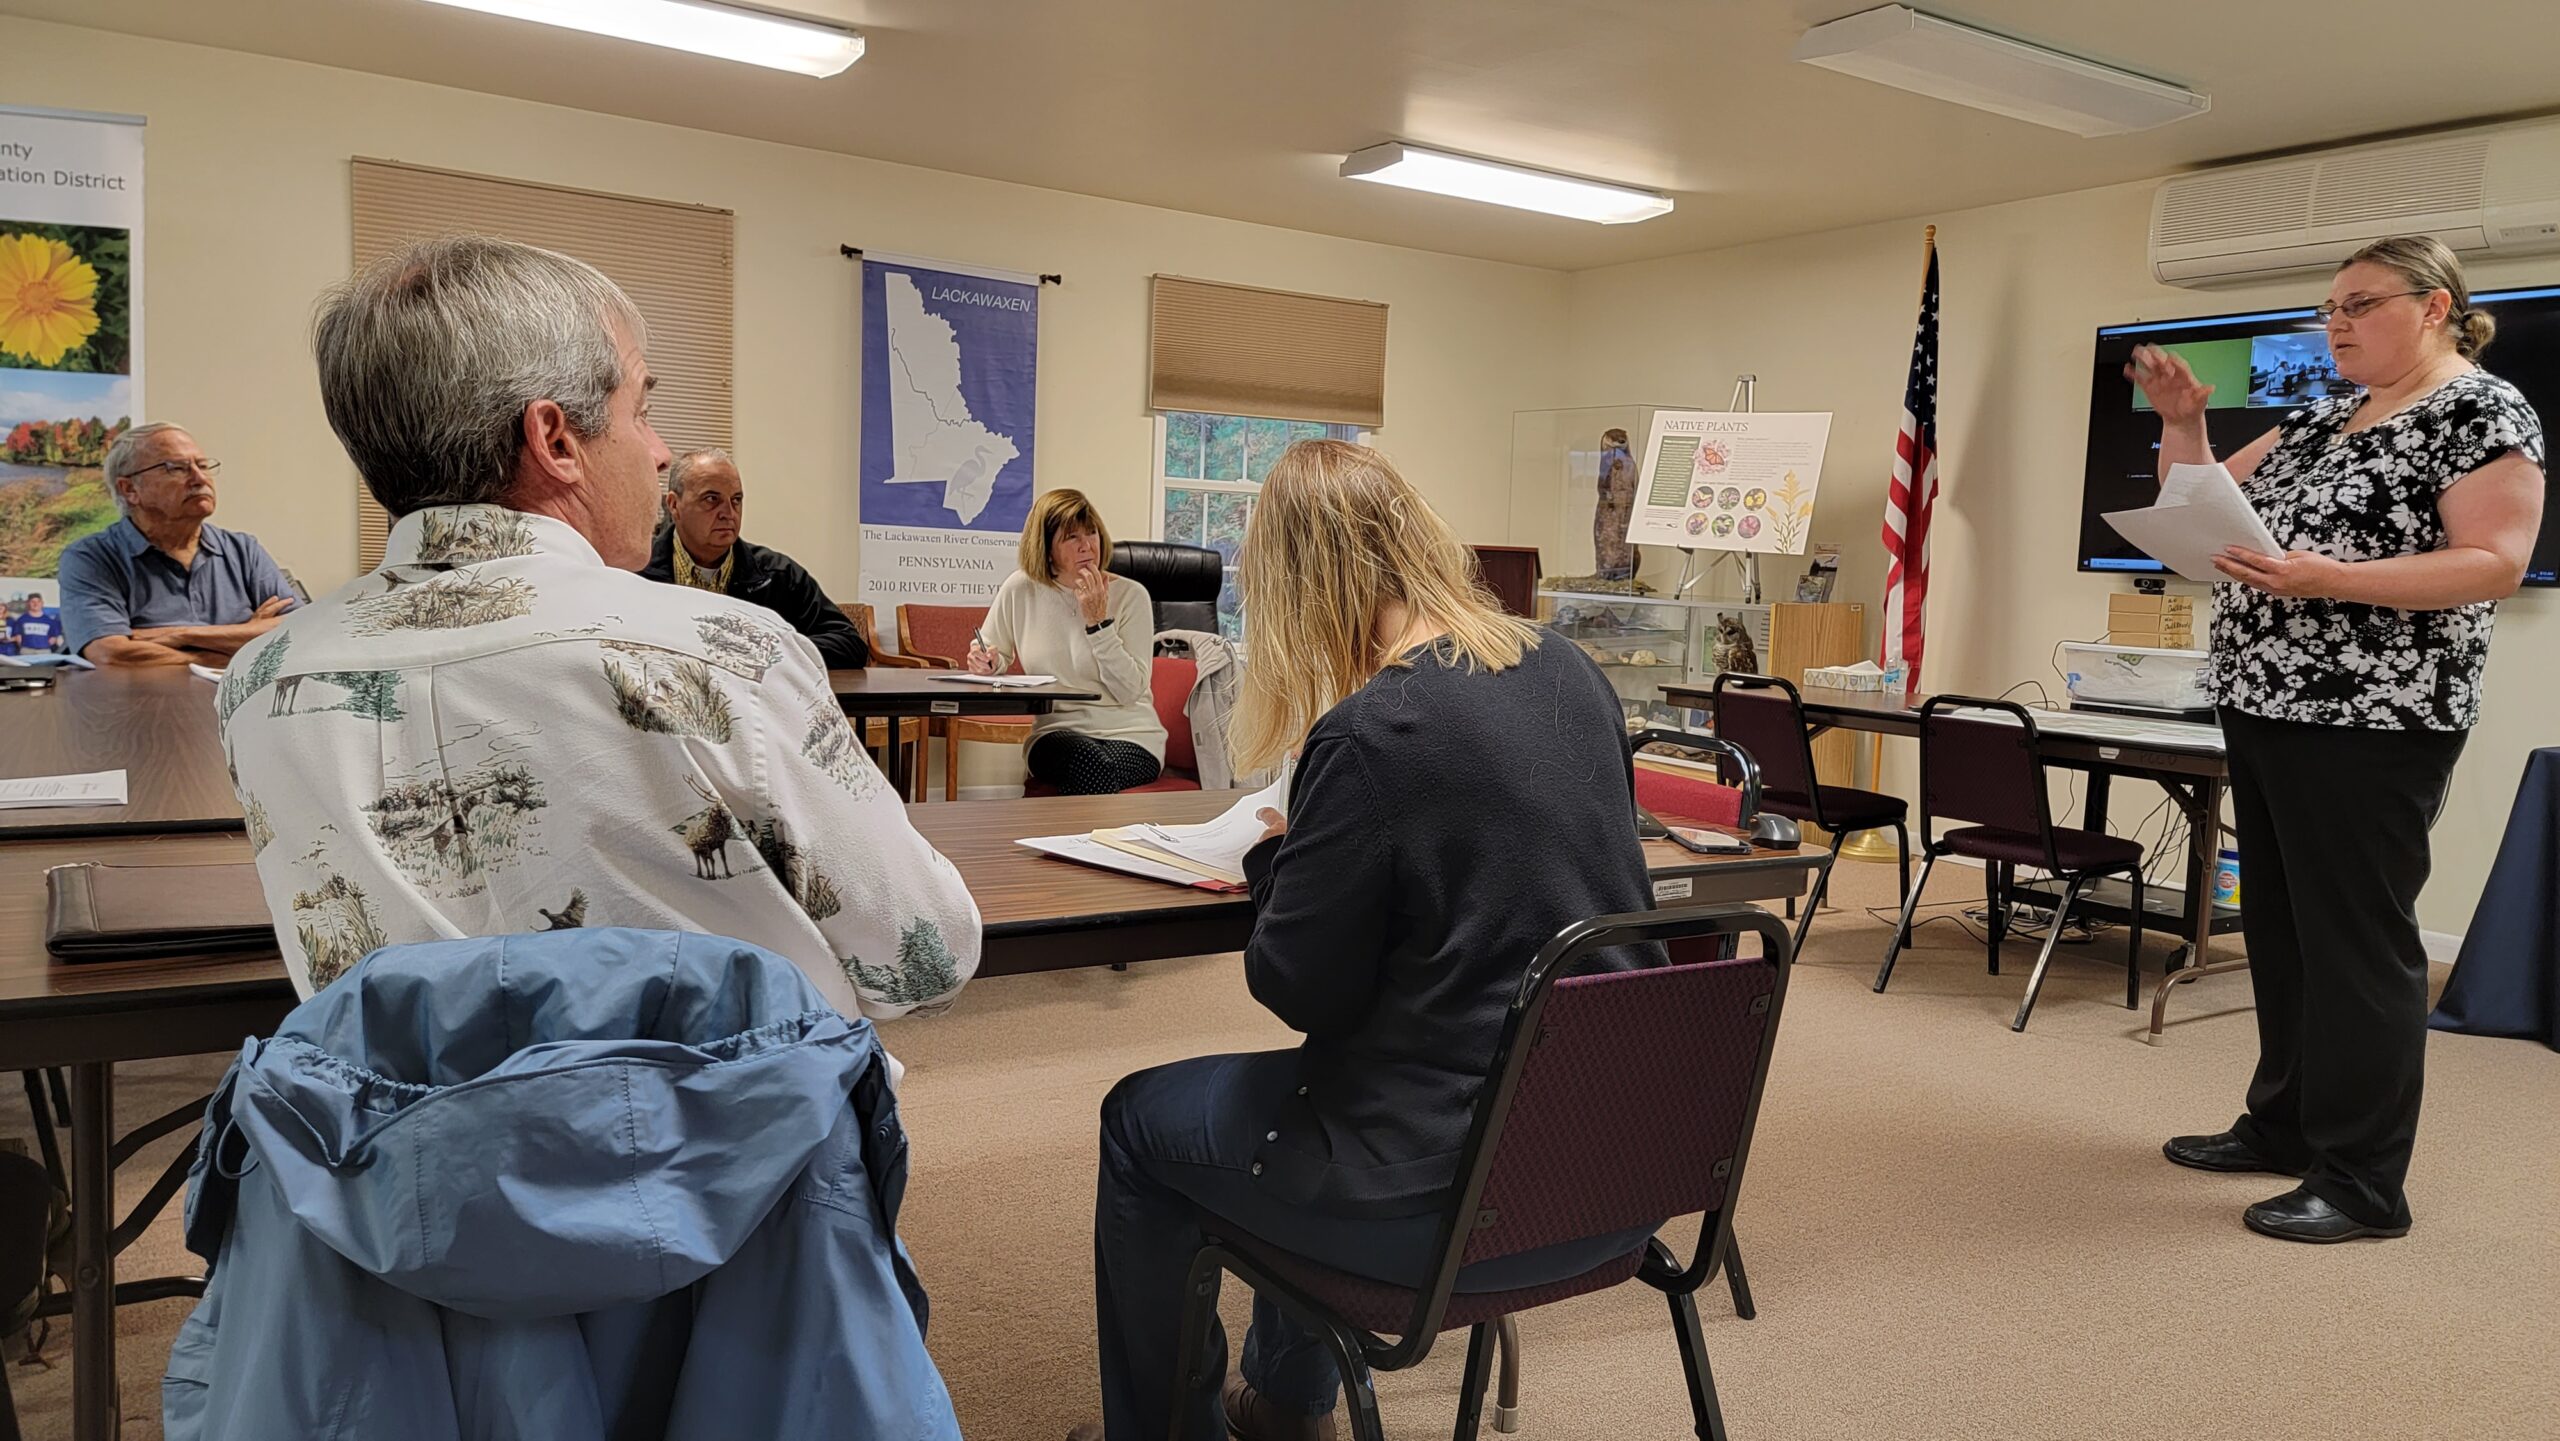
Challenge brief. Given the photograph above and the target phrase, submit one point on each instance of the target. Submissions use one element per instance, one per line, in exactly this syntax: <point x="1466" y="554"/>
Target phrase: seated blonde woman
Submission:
<point x="1463" y="792"/>
<point x="1064" y="615"/>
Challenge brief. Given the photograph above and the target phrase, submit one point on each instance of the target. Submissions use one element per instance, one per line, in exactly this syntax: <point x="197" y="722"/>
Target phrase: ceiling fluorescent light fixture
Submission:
<point x="725" y="31"/>
<point x="1442" y="173"/>
<point x="1898" y="46"/>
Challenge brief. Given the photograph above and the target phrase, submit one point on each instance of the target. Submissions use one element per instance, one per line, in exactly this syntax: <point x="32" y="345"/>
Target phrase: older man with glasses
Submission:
<point x="163" y="585"/>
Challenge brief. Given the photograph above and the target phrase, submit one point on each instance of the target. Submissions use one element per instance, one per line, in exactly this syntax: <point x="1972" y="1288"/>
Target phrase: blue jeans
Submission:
<point x="1178" y="1142"/>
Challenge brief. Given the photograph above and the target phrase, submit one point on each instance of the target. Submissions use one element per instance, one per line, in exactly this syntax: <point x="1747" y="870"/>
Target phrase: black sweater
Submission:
<point x="1445" y="823"/>
<point x="779" y="584"/>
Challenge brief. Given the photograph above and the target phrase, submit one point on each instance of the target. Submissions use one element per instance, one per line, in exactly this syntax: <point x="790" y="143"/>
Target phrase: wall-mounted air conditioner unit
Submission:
<point x="2492" y="191"/>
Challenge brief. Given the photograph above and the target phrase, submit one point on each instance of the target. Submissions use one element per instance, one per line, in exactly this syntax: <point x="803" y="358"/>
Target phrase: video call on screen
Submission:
<point x="2263" y="366"/>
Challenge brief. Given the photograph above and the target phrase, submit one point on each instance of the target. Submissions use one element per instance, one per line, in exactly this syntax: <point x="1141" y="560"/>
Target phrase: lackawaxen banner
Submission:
<point x="950" y="370"/>
<point x="70" y="331"/>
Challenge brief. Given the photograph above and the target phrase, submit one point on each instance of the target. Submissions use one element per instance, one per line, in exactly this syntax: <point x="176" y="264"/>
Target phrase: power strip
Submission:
<point x="2026" y="920"/>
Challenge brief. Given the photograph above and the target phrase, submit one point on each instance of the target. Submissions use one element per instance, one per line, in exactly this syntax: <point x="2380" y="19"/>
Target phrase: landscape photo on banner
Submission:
<point x="70" y="332"/>
<point x="950" y="385"/>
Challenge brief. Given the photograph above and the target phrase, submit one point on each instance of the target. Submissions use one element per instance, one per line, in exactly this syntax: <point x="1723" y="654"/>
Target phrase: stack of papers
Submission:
<point x="1209" y="855"/>
<point x="1002" y="680"/>
<point x="98" y="788"/>
<point x="2200" y="514"/>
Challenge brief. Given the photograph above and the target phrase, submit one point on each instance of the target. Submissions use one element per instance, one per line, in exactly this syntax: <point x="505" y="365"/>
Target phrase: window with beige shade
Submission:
<point x="1242" y="350"/>
<point x="676" y="262"/>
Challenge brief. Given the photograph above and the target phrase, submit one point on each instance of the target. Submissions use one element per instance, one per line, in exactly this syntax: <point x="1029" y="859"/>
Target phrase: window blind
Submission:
<point x="1242" y="350"/>
<point x="676" y="262"/>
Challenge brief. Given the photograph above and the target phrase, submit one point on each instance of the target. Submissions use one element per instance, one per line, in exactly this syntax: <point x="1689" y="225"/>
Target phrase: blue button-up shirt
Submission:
<point x="116" y="582"/>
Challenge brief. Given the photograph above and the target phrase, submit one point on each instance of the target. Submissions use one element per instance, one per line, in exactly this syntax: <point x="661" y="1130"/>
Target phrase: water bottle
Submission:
<point x="1893" y="674"/>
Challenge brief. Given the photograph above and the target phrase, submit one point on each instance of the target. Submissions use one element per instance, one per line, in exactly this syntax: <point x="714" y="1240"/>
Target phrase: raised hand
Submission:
<point x="2172" y="387"/>
<point x="1092" y="593"/>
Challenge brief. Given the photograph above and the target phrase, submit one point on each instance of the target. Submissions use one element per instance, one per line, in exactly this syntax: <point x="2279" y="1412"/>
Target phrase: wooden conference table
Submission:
<point x="888" y="691"/>
<point x="2183" y="758"/>
<point x="156" y="724"/>
<point x="1039" y="914"/>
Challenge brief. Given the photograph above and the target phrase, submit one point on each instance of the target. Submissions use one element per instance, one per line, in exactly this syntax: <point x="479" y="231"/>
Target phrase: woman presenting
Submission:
<point x="2347" y="673"/>
<point x="1063" y="614"/>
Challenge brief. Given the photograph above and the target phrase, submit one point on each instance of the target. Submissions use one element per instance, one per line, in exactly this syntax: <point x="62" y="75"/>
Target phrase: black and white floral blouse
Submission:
<point x="2367" y="496"/>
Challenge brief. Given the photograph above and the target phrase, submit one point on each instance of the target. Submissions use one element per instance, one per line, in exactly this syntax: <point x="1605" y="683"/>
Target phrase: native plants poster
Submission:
<point x="70" y="331"/>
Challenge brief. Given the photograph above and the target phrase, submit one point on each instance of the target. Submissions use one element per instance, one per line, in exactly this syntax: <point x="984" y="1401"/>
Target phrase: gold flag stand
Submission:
<point x="1876" y="845"/>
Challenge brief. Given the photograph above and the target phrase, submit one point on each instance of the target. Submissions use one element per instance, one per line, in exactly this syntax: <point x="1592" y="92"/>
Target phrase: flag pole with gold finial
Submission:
<point x="1872" y="845"/>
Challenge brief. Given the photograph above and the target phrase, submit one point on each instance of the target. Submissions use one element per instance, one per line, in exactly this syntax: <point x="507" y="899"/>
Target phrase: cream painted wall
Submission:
<point x="247" y="196"/>
<point x="247" y="219"/>
<point x="1826" y="322"/>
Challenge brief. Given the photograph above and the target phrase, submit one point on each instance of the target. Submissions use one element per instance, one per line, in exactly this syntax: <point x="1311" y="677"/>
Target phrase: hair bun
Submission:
<point x="2472" y="333"/>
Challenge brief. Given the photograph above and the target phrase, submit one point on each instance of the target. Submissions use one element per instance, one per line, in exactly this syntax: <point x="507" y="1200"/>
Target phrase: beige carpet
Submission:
<point x="1953" y="1231"/>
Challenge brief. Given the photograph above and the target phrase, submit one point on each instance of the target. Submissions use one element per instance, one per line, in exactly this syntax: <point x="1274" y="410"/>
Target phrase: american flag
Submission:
<point x="1913" y="494"/>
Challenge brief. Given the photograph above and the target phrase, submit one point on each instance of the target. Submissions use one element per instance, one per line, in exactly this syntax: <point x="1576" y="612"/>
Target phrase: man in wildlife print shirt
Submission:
<point x="503" y="728"/>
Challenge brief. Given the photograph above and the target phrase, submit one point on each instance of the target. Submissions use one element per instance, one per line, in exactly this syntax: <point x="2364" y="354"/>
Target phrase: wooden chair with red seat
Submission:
<point x="912" y="730"/>
<point x="1171" y="684"/>
<point x="938" y="635"/>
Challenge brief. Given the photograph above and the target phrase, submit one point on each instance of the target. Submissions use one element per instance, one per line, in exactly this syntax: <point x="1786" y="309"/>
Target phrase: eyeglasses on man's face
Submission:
<point x="2357" y="307"/>
<point x="177" y="467"/>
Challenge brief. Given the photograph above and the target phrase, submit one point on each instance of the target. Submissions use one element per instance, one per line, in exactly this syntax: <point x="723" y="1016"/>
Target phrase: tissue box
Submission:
<point x="2136" y="676"/>
<point x="1845" y="677"/>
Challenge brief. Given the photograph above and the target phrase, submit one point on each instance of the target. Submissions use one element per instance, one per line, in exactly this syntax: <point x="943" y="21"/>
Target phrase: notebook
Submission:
<point x="97" y="912"/>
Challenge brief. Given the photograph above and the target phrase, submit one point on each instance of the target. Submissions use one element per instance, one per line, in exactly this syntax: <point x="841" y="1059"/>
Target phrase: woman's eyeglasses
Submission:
<point x="2359" y="306"/>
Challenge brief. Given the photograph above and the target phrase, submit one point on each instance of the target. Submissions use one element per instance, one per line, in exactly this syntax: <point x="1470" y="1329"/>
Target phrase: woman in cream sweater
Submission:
<point x="1063" y="614"/>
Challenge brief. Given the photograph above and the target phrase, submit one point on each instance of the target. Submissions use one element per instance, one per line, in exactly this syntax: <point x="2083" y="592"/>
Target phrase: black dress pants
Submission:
<point x="2333" y="827"/>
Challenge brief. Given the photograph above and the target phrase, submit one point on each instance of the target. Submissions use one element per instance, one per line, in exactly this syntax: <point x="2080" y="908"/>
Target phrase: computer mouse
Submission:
<point x="1773" y="832"/>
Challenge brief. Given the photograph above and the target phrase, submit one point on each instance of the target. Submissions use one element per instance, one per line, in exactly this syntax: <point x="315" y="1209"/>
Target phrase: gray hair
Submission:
<point x="429" y="357"/>
<point x="683" y="467"/>
<point x="120" y="458"/>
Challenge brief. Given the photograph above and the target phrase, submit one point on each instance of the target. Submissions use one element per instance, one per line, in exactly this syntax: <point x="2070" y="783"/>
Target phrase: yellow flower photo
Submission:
<point x="64" y="301"/>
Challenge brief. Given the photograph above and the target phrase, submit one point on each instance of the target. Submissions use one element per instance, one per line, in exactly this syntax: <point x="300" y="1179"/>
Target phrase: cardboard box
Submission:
<point x="2118" y="635"/>
<point x="2165" y="606"/>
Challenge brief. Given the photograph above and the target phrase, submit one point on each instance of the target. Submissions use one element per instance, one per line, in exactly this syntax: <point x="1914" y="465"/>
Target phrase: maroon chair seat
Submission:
<point x="1990" y="772"/>
<point x="1843" y="809"/>
<point x="1615" y="1099"/>
<point x="2077" y="850"/>
<point x="1383" y="1306"/>
<point x="1170" y="689"/>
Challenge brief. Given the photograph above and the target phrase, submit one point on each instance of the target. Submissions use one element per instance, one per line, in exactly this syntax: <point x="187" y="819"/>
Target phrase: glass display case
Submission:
<point x="1646" y="642"/>
<point x="1556" y="459"/>
<point x="1641" y="645"/>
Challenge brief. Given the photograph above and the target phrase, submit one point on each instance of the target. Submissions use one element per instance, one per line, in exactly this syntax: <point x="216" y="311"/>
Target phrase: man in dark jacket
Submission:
<point x="699" y="547"/>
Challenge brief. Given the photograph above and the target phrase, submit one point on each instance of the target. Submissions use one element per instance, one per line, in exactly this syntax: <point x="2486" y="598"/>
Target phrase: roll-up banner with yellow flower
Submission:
<point x="70" y="331"/>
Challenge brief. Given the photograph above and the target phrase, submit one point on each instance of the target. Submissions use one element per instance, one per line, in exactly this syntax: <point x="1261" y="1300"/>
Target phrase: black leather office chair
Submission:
<point x="1182" y="580"/>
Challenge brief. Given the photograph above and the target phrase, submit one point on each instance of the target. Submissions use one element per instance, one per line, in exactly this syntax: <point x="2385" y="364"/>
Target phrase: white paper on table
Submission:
<point x="97" y="788"/>
<point x="1094" y="853"/>
<point x="2200" y="514"/>
<point x="998" y="680"/>
<point x="1220" y="843"/>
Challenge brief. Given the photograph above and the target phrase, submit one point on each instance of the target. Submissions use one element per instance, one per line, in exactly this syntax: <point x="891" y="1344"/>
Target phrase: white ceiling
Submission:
<point x="1243" y="108"/>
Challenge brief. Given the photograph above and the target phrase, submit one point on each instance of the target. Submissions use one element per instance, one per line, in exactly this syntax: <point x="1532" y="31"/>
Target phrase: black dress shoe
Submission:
<point x="2297" y="1215"/>
<point x="2221" y="1151"/>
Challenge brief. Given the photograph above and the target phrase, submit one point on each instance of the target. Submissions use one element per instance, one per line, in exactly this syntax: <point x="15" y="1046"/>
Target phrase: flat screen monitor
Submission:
<point x="2263" y="365"/>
